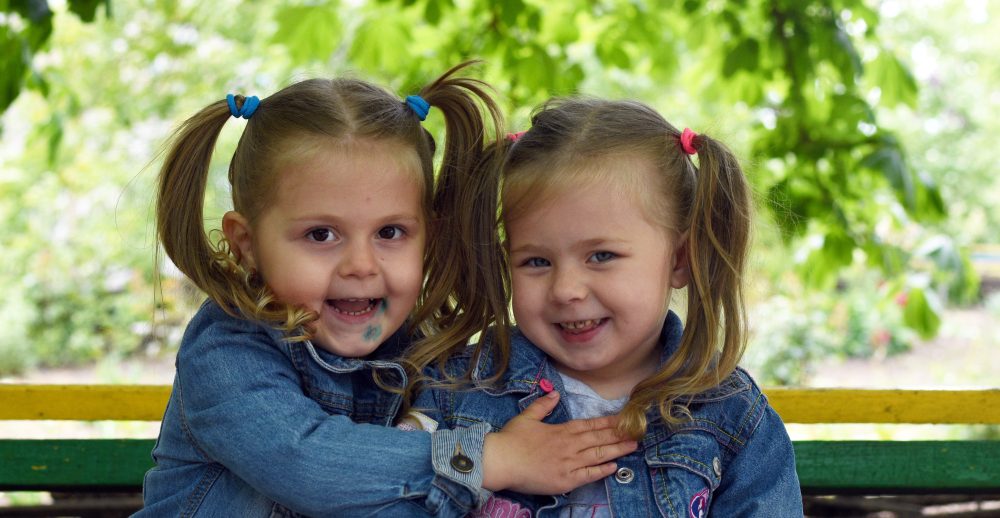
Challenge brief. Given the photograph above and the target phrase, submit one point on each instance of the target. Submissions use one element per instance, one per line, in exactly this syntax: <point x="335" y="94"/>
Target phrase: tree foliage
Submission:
<point x="795" y="86"/>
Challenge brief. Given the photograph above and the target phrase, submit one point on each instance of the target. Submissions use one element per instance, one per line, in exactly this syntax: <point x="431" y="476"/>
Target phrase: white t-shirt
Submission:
<point x="591" y="500"/>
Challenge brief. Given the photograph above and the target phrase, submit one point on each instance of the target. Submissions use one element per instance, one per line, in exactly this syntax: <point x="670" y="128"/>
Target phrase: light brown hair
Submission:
<point x="302" y="113"/>
<point x="710" y="203"/>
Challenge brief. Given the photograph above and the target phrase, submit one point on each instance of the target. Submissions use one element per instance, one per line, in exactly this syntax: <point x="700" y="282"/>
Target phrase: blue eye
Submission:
<point x="391" y="232"/>
<point x="321" y="235"/>
<point x="536" y="262"/>
<point x="602" y="256"/>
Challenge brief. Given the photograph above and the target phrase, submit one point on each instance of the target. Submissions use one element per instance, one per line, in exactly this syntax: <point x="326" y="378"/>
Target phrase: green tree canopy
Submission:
<point x="794" y="86"/>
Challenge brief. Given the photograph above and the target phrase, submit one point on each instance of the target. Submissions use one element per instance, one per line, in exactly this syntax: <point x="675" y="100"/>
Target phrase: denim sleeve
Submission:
<point x="242" y="405"/>
<point x="761" y="479"/>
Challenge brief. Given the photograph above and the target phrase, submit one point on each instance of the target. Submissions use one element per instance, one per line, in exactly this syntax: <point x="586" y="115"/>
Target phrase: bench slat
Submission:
<point x="875" y="467"/>
<point x="872" y="467"/>
<point x="814" y="406"/>
<point x="74" y="464"/>
<point x="84" y="402"/>
<point x="807" y="406"/>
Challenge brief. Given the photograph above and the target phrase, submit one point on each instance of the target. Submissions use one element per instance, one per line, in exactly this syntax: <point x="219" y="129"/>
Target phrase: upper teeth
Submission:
<point x="579" y="324"/>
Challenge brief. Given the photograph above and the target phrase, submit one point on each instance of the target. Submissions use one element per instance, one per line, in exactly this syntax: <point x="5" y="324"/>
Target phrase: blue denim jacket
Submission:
<point x="733" y="459"/>
<point x="258" y="426"/>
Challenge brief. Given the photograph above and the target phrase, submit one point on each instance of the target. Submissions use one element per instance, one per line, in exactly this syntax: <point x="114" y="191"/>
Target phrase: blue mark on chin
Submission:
<point x="373" y="333"/>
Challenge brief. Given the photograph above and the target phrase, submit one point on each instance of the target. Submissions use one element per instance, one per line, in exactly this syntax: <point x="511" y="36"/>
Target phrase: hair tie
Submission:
<point x="514" y="137"/>
<point x="418" y="105"/>
<point x="687" y="141"/>
<point x="249" y="106"/>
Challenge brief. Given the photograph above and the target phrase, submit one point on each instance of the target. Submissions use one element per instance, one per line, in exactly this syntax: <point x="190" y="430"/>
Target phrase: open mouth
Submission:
<point x="580" y="326"/>
<point x="354" y="307"/>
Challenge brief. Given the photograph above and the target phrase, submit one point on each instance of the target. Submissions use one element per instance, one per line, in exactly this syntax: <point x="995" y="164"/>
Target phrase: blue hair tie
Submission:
<point x="418" y="105"/>
<point x="249" y="106"/>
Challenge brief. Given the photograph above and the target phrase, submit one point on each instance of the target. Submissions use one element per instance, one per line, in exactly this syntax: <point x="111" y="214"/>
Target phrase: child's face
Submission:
<point x="592" y="278"/>
<point x="344" y="237"/>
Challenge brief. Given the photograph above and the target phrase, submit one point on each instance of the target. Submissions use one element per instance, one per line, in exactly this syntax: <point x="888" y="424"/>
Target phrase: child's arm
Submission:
<point x="242" y="404"/>
<point x="529" y="456"/>
<point x="761" y="479"/>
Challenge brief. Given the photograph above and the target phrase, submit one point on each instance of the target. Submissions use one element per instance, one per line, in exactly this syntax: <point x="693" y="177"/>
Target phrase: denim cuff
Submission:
<point x="457" y="456"/>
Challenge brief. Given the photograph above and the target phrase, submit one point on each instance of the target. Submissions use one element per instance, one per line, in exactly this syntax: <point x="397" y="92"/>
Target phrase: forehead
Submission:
<point x="630" y="177"/>
<point x="327" y="174"/>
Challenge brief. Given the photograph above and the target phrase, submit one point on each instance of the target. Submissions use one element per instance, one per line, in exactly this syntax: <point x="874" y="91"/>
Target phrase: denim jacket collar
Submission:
<point x="529" y="364"/>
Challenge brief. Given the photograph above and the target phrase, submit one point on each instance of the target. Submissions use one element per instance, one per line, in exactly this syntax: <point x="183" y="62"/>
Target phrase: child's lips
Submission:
<point x="354" y="307"/>
<point x="581" y="330"/>
<point x="580" y="326"/>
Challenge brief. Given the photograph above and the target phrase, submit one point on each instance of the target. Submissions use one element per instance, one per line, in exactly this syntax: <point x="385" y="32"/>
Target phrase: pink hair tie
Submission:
<point x="687" y="141"/>
<point x="514" y="137"/>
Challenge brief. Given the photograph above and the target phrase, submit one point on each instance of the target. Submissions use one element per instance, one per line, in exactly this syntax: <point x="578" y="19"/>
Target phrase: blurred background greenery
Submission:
<point x="866" y="127"/>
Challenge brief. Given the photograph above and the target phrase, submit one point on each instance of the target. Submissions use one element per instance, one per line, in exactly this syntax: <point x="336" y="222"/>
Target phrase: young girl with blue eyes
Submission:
<point x="287" y="377"/>
<point x="605" y="215"/>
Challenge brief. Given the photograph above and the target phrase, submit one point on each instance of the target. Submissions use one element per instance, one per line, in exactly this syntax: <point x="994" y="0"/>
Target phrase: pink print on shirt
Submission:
<point x="497" y="507"/>
<point x="699" y="504"/>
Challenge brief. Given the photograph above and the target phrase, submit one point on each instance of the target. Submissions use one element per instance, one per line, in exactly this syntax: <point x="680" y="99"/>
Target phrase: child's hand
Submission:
<point x="529" y="456"/>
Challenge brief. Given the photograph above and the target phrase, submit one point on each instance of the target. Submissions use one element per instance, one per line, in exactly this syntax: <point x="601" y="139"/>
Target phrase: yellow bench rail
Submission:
<point x="807" y="406"/>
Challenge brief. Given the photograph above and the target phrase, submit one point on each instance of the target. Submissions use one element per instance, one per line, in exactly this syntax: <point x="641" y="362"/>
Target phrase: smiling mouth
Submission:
<point x="354" y="307"/>
<point x="580" y="326"/>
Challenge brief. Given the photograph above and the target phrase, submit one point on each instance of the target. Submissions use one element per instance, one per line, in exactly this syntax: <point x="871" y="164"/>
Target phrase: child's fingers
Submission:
<point x="607" y="452"/>
<point x="590" y="474"/>
<point x="588" y="425"/>
<point x="541" y="407"/>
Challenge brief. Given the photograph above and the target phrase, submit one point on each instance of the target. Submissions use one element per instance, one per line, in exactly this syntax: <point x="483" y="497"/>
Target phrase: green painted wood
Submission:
<point x="898" y="466"/>
<point x="43" y="464"/>
<point x="871" y="467"/>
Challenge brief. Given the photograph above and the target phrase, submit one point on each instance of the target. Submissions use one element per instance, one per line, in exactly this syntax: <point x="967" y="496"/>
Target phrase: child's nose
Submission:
<point x="359" y="261"/>
<point x="568" y="286"/>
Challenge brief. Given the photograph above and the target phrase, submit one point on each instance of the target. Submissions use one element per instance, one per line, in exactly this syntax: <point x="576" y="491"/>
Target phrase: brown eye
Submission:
<point x="390" y="232"/>
<point x="321" y="235"/>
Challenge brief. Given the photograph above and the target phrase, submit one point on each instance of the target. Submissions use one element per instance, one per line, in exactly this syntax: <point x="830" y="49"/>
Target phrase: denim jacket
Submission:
<point x="733" y="459"/>
<point x="260" y="426"/>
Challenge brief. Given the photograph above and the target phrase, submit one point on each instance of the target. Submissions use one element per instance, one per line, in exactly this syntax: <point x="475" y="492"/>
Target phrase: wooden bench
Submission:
<point x="825" y="467"/>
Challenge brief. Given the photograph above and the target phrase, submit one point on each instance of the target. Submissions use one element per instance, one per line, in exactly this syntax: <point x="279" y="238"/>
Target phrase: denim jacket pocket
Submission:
<point x="686" y="470"/>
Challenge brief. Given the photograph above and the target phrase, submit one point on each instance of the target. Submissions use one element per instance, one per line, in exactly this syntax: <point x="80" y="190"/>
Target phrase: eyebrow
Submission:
<point x="585" y="244"/>
<point x="409" y="218"/>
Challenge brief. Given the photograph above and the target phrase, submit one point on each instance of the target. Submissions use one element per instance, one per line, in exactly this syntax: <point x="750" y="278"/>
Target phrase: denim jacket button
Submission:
<point x="717" y="466"/>
<point x="624" y="475"/>
<point x="460" y="461"/>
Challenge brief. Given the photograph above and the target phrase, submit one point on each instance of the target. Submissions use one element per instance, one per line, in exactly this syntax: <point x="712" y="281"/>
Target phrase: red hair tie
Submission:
<point x="687" y="141"/>
<point x="514" y="137"/>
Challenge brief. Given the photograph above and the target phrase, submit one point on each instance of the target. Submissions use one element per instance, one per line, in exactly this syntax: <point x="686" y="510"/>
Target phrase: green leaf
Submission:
<point x="919" y="315"/>
<point x="887" y="159"/>
<point x="894" y="79"/>
<point x="13" y="66"/>
<point x="87" y="9"/>
<point x="309" y="32"/>
<point x="382" y="42"/>
<point x="432" y="12"/>
<point x="744" y="56"/>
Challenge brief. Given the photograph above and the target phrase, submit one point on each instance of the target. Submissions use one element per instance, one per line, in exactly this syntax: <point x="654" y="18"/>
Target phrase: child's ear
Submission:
<point x="681" y="273"/>
<point x="236" y="228"/>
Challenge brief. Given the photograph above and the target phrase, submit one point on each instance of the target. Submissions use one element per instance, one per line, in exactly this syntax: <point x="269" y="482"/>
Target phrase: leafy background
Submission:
<point x="865" y="127"/>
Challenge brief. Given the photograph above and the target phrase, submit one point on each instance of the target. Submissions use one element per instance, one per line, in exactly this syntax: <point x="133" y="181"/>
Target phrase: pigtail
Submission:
<point x="181" y="199"/>
<point x="212" y="267"/>
<point x="467" y="282"/>
<point x="715" y="330"/>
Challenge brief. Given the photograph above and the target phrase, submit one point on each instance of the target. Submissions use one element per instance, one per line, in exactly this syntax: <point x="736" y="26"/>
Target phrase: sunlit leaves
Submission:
<point x="87" y="9"/>
<point x="309" y="32"/>
<point x="894" y="80"/>
<point x="382" y="42"/>
<point x="918" y="313"/>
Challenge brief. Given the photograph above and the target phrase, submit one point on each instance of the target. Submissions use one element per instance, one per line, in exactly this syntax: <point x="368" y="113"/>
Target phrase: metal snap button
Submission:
<point x="624" y="475"/>
<point x="717" y="466"/>
<point x="461" y="462"/>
